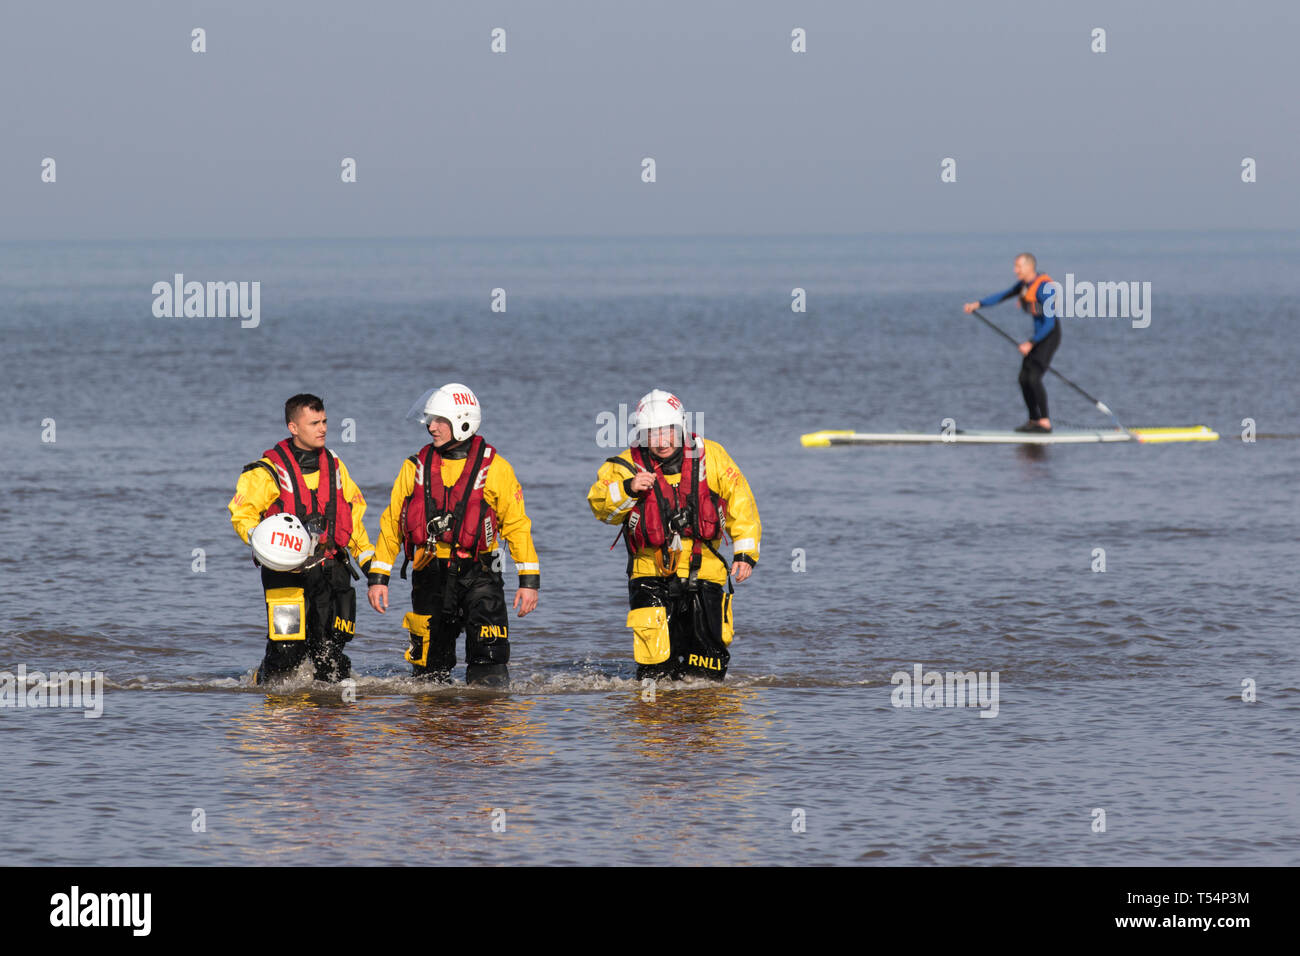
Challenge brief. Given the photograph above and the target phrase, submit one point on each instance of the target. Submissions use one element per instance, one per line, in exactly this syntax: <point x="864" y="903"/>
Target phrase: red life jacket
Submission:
<point x="297" y="499"/>
<point x="1029" y="294"/>
<point x="649" y="523"/>
<point x="472" y="524"/>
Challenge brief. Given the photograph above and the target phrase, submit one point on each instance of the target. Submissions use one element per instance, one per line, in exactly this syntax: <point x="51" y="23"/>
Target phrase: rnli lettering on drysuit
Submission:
<point x="698" y="660"/>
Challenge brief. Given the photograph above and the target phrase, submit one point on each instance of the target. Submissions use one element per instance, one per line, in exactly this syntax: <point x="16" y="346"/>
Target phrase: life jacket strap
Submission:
<point x="459" y="516"/>
<point x="725" y="563"/>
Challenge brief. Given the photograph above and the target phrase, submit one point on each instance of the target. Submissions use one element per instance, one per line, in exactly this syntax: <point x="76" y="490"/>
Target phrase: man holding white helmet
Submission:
<point x="451" y="505"/>
<point x="675" y="495"/>
<point x="299" y="509"/>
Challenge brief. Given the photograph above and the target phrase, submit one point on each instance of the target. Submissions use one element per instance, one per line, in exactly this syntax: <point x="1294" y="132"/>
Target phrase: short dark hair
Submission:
<point x="304" y="400"/>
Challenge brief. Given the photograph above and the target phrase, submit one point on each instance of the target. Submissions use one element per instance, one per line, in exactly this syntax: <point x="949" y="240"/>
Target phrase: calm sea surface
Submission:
<point x="1118" y="691"/>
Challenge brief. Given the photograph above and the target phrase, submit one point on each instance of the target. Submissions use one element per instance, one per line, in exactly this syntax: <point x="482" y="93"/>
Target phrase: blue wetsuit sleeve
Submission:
<point x="1043" y="324"/>
<point x="995" y="299"/>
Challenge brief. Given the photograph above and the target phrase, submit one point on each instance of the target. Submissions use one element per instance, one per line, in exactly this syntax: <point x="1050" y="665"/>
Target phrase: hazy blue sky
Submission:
<point x="245" y="140"/>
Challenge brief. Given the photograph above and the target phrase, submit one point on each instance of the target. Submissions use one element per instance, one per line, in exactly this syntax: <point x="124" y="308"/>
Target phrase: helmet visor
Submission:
<point x="418" y="413"/>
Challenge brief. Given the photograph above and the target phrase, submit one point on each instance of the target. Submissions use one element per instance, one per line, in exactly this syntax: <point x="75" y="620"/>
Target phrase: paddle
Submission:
<point x="1101" y="406"/>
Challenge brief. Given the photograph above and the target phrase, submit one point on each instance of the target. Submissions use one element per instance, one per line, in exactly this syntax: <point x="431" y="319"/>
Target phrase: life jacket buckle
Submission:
<point x="424" y="555"/>
<point x="666" y="558"/>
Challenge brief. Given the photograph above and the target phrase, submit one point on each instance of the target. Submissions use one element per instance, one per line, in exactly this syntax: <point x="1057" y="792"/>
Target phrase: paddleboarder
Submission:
<point x="1033" y="290"/>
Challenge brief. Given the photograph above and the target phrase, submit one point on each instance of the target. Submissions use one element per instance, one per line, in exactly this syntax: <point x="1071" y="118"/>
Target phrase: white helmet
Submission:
<point x="659" y="409"/>
<point x="454" y="402"/>
<point x="281" y="543"/>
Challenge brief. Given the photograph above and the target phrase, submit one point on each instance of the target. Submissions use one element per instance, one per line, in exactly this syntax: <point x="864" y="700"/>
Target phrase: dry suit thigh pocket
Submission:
<point x="650" y="643"/>
<point x="418" y="626"/>
<point x="728" y="628"/>
<point x="286" y="614"/>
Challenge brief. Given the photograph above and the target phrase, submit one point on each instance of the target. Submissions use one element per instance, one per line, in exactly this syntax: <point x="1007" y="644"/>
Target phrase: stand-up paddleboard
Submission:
<point x="1059" y="436"/>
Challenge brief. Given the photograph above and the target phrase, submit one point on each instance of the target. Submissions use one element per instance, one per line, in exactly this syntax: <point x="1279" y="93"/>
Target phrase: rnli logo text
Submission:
<point x="492" y="630"/>
<point x="462" y="398"/>
<point x="291" y="541"/>
<point x="709" y="663"/>
<point x="348" y="627"/>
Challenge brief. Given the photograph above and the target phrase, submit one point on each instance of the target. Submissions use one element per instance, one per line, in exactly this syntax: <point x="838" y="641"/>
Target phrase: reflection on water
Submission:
<point x="312" y="764"/>
<point x="700" y="756"/>
<point x="488" y="729"/>
<point x="1032" y="453"/>
<point x="485" y="728"/>
<point x="677" y="722"/>
<point x="303" y="722"/>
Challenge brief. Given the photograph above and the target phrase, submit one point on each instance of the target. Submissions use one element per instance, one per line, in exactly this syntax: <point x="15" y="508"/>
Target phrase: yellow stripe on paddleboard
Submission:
<point x="1193" y="433"/>
<point x="822" y="439"/>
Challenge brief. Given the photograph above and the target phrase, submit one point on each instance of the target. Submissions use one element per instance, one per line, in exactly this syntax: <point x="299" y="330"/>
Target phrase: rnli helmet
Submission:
<point x="659" y="409"/>
<point x="281" y="543"/>
<point x="454" y="402"/>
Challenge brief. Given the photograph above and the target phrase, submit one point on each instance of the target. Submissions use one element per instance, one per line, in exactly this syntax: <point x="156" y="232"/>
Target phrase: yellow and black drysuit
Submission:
<point x="448" y="511"/>
<point x="680" y="618"/>
<point x="310" y="612"/>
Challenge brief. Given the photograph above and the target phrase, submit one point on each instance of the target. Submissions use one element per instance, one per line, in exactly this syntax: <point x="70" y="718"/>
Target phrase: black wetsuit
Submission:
<point x="1046" y="339"/>
<point x="1032" y="370"/>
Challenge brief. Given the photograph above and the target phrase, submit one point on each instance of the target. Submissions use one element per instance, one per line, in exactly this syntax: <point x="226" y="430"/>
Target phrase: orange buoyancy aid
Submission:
<point x="297" y="499"/>
<point x="1029" y="294"/>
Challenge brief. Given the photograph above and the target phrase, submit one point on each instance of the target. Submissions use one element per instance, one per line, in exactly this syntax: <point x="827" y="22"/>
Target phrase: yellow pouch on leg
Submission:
<point x="418" y="626"/>
<point x="286" y="614"/>
<point x="728" y="627"/>
<point x="650" y="644"/>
